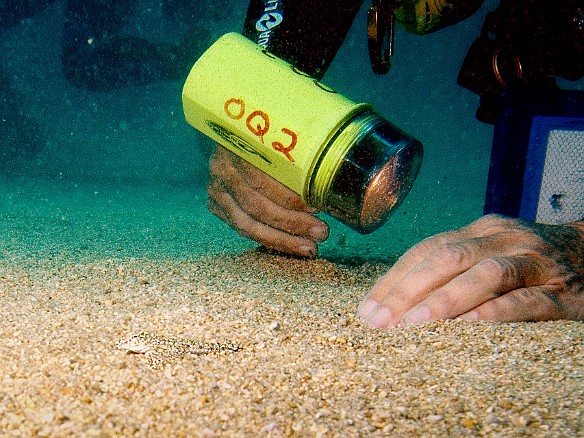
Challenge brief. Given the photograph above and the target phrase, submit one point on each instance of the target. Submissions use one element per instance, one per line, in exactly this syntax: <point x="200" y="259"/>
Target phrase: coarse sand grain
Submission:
<point x="85" y="265"/>
<point x="307" y="366"/>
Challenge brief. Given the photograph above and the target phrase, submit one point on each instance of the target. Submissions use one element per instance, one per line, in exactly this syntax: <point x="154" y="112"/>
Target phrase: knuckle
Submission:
<point x="217" y="193"/>
<point x="492" y="219"/>
<point x="211" y="206"/>
<point x="495" y="223"/>
<point x="528" y="295"/>
<point x="255" y="178"/>
<point x="498" y="270"/>
<point x="253" y="205"/>
<point x="219" y="174"/>
<point x="543" y="305"/>
<point x="216" y="165"/>
<point x="449" y="300"/>
<point x="212" y="190"/>
<point x="451" y="254"/>
<point x="244" y="225"/>
<point x="498" y="221"/>
<point x="223" y="169"/>
<point x="214" y="211"/>
<point x="428" y="245"/>
<point x="218" y="211"/>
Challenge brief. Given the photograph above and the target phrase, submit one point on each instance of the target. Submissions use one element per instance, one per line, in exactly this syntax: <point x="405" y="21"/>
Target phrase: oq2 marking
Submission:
<point x="258" y="123"/>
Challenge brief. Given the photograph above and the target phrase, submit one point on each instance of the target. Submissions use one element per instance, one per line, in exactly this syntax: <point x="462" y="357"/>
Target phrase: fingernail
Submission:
<point x="366" y="307"/>
<point x="307" y="251"/>
<point x="380" y="318"/>
<point x="473" y="315"/>
<point x="417" y="315"/>
<point x="317" y="232"/>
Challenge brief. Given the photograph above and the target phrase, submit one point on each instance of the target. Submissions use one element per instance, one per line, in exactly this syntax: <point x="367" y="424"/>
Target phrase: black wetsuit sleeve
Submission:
<point x="306" y="33"/>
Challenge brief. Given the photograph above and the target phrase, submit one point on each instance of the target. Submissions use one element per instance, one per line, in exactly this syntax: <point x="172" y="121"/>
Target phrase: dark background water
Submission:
<point x="136" y="135"/>
<point x="139" y="134"/>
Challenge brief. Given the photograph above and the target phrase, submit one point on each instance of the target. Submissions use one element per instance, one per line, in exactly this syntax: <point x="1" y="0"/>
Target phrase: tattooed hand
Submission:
<point x="496" y="268"/>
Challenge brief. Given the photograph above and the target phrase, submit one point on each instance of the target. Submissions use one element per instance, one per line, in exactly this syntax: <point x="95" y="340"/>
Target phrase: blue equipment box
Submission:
<point x="537" y="160"/>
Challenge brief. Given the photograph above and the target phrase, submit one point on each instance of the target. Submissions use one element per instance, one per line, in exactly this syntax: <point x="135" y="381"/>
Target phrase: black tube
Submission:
<point x="306" y="33"/>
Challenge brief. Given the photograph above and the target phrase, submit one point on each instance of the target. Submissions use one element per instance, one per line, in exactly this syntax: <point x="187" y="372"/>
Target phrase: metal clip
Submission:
<point x="380" y="31"/>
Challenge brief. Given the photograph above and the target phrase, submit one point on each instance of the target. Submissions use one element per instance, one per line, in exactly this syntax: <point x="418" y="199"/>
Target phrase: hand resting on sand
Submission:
<point x="496" y="269"/>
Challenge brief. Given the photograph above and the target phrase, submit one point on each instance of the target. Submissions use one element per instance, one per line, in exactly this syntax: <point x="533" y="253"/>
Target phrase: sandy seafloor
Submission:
<point x="84" y="265"/>
<point x="106" y="234"/>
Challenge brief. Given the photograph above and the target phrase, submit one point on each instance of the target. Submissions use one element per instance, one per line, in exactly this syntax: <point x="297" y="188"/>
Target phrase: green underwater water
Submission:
<point x="121" y="174"/>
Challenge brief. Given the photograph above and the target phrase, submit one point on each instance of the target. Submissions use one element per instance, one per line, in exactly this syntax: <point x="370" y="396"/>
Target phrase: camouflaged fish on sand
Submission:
<point x="159" y="350"/>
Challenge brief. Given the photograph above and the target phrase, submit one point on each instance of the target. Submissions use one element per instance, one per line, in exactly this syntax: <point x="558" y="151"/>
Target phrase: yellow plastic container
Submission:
<point x="299" y="131"/>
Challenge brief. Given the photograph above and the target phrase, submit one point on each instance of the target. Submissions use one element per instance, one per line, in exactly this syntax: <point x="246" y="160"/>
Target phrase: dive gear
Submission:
<point x="339" y="156"/>
<point x="380" y="34"/>
<point x="305" y="33"/>
<point x="522" y="45"/>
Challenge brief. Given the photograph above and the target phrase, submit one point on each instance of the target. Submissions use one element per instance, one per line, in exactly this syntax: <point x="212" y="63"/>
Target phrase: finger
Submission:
<point x="538" y="303"/>
<point x="274" y="190"/>
<point x="225" y="177"/>
<point x="407" y="262"/>
<point x="258" y="180"/>
<point x="229" y="211"/>
<point x="442" y="265"/>
<point x="263" y="210"/>
<point x="421" y="252"/>
<point x="410" y="265"/>
<point x="485" y="281"/>
<point x="489" y="226"/>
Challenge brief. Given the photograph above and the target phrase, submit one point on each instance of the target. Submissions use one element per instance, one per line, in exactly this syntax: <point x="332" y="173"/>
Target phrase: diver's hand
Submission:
<point x="261" y="208"/>
<point x="496" y="269"/>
